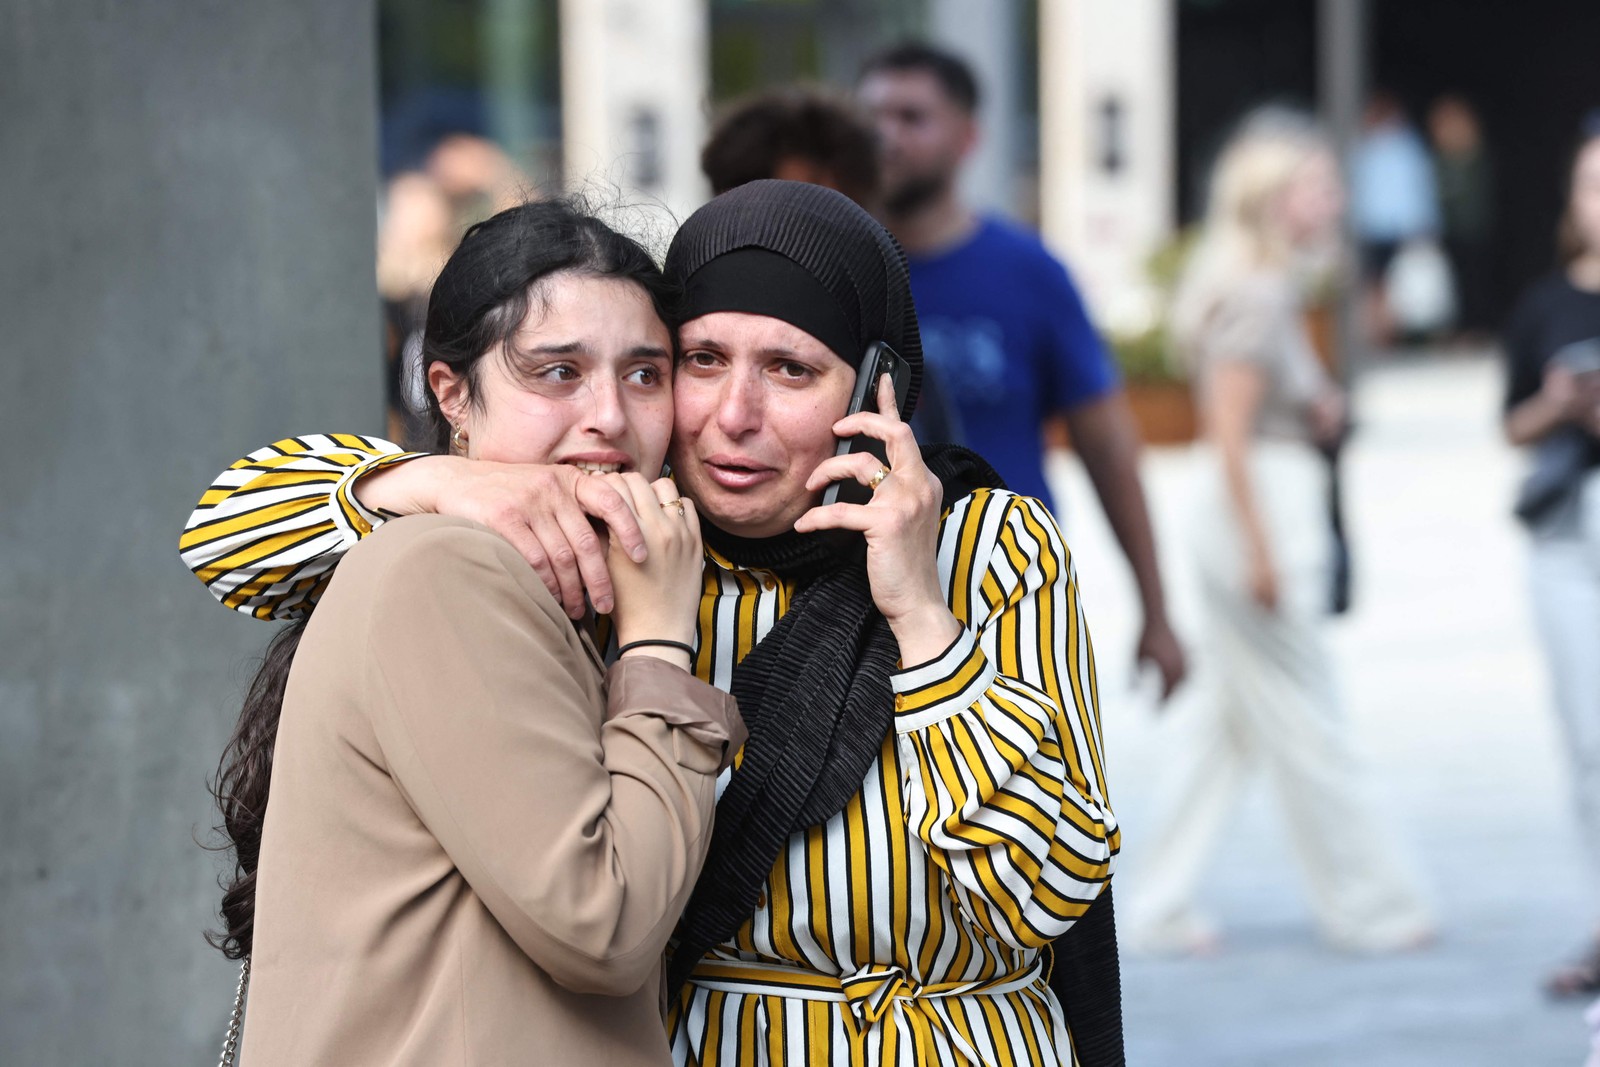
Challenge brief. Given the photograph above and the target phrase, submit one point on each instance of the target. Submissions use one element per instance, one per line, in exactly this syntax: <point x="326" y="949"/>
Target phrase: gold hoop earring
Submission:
<point x="458" y="440"/>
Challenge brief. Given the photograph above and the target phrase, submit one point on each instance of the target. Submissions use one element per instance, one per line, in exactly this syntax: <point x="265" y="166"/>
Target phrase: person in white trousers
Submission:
<point x="1552" y="346"/>
<point x="1262" y="536"/>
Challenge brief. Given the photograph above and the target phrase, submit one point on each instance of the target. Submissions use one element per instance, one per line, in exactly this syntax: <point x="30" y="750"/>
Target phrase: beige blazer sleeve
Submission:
<point x="582" y="839"/>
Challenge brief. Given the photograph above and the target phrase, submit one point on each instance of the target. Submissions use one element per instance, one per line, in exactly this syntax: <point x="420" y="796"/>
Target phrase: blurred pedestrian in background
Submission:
<point x="477" y="176"/>
<point x="1394" y="203"/>
<point x="416" y="233"/>
<point x="422" y="215"/>
<point x="1465" y="177"/>
<point x="1552" y="348"/>
<point x="807" y="134"/>
<point x="1262" y="541"/>
<point x="1002" y="321"/>
<point x="797" y="133"/>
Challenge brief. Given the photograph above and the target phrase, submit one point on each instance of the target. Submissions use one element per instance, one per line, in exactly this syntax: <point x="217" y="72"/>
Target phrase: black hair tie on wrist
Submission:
<point x="657" y="642"/>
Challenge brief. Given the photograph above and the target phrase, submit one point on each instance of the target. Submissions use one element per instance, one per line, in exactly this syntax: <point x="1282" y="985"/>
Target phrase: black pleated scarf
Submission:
<point x="817" y="698"/>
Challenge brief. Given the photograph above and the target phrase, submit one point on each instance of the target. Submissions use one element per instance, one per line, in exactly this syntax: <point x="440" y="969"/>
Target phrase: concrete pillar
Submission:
<point x="186" y="269"/>
<point x="1107" y="132"/>
<point x="1342" y="53"/>
<point x="984" y="33"/>
<point x="635" y="75"/>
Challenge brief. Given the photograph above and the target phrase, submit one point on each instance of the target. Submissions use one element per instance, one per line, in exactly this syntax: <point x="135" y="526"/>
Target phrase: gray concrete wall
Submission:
<point x="186" y="234"/>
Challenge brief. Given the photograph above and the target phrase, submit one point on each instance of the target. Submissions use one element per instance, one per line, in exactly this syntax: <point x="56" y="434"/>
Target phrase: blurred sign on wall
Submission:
<point x="1106" y="127"/>
<point x="634" y="81"/>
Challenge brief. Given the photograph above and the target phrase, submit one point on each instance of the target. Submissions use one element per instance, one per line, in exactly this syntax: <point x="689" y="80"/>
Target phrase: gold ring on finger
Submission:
<point x="676" y="504"/>
<point x="877" y="478"/>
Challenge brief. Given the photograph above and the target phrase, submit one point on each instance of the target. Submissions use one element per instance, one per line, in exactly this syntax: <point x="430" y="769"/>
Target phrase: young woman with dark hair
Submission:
<point x="1552" y="404"/>
<point x="459" y="837"/>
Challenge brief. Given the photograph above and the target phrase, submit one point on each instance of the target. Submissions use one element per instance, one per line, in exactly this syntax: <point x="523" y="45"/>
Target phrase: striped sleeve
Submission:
<point x="1001" y="733"/>
<point x="269" y="531"/>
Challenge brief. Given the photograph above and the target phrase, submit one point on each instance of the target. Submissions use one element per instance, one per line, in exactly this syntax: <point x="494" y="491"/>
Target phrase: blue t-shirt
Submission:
<point x="1005" y="330"/>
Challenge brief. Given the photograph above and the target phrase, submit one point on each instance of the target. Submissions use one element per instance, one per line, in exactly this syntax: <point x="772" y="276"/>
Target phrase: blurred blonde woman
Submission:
<point x="1264" y="547"/>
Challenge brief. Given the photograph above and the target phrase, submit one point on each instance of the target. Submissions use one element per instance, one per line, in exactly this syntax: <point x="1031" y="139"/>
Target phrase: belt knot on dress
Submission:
<point x="872" y="991"/>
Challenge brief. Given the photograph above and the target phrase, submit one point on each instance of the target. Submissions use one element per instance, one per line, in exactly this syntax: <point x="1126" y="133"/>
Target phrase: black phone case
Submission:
<point x="863" y="398"/>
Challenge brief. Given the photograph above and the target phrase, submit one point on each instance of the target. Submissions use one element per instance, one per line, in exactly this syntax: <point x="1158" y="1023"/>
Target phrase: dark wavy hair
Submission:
<point x="797" y="123"/>
<point x="953" y="73"/>
<point x="479" y="300"/>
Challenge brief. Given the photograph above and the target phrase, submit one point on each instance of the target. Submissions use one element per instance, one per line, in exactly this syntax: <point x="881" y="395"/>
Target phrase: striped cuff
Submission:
<point x="354" y="519"/>
<point x="944" y="686"/>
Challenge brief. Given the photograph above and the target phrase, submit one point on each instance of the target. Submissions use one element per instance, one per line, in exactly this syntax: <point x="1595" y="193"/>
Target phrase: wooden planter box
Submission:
<point x="1164" y="412"/>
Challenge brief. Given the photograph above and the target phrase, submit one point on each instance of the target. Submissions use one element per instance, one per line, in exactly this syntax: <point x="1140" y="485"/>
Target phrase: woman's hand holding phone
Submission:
<point x="1571" y="397"/>
<point x="659" y="599"/>
<point x="900" y="524"/>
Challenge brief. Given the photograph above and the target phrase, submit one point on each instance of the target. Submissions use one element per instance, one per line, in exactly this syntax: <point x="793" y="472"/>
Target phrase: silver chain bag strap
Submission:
<point x="230" y="1045"/>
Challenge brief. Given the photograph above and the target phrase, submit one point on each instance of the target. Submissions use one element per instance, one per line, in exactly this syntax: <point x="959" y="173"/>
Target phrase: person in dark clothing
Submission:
<point x="795" y="133"/>
<point x="1465" y="179"/>
<point x="1003" y="320"/>
<point x="1553" y="405"/>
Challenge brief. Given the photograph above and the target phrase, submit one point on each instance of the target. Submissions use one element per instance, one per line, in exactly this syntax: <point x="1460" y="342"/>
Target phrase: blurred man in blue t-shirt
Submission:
<point x="1001" y="320"/>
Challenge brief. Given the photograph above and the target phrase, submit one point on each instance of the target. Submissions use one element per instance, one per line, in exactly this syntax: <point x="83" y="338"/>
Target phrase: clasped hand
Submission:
<point x="550" y="513"/>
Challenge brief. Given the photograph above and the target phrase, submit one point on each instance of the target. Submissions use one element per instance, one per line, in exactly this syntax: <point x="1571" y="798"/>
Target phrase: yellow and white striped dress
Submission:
<point x="267" y="534"/>
<point x="907" y="929"/>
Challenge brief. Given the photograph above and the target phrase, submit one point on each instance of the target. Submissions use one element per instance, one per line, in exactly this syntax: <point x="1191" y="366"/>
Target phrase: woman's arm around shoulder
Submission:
<point x="268" y="532"/>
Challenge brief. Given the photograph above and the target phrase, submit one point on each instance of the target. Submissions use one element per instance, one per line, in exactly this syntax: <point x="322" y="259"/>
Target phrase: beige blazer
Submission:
<point x="478" y="840"/>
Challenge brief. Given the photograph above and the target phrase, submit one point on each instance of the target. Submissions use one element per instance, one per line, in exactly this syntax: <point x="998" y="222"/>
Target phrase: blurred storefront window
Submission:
<point x="758" y="44"/>
<point x="485" y="68"/>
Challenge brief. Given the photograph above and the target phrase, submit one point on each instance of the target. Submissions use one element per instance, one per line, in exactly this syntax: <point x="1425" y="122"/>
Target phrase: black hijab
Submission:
<point x="816" y="692"/>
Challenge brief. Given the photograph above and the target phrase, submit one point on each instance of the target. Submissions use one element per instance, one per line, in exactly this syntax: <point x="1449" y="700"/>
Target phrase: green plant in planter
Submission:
<point x="1146" y="355"/>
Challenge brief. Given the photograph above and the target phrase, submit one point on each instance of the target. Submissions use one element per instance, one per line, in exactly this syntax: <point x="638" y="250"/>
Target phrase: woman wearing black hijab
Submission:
<point x="920" y="809"/>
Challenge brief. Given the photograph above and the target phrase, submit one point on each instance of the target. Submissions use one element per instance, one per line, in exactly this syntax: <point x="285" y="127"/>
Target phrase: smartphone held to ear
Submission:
<point x="879" y="360"/>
